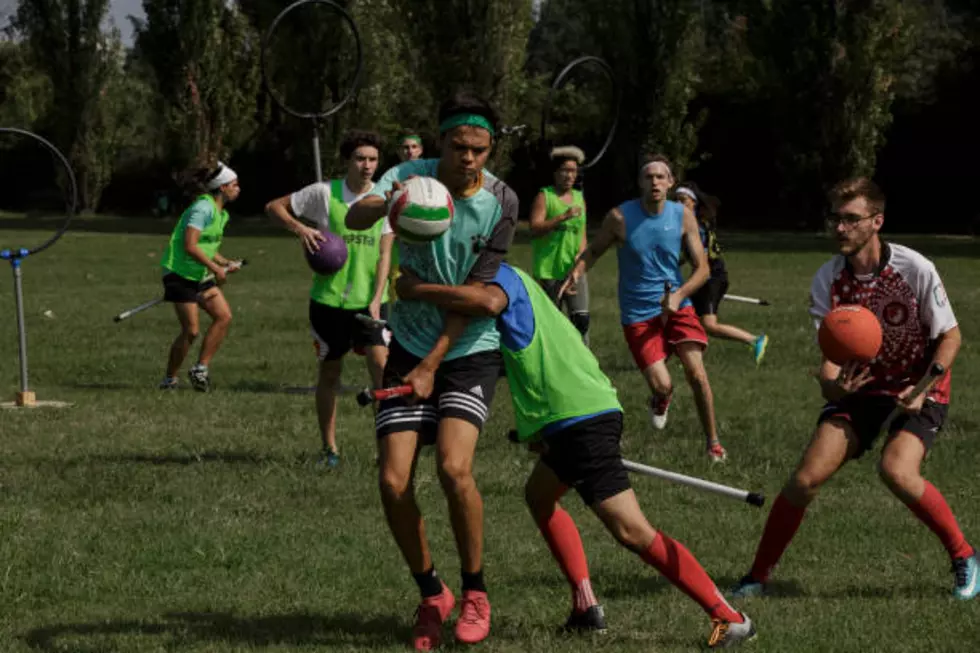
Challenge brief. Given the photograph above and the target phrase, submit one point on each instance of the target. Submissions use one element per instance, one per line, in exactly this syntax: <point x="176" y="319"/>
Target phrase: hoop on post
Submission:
<point x="315" y="117"/>
<point x="16" y="255"/>
<point x="556" y="86"/>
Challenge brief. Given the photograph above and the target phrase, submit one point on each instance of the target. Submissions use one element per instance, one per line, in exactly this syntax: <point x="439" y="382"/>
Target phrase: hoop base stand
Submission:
<point x="24" y="398"/>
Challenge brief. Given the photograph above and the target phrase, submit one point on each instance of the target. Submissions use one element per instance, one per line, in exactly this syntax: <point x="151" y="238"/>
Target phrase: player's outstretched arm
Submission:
<point x="612" y="232"/>
<point x="472" y="299"/>
<point x="363" y="214"/>
<point x="695" y="251"/>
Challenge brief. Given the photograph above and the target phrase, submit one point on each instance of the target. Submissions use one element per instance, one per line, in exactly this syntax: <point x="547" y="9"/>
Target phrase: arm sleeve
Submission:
<point x="820" y="295"/>
<point x="516" y="322"/>
<point x="386" y="227"/>
<point x="312" y="203"/>
<point x="199" y="216"/>
<point x="935" y="309"/>
<point x="487" y="265"/>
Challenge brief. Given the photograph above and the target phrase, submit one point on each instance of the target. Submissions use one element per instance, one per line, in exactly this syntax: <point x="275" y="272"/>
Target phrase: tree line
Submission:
<point x="764" y="102"/>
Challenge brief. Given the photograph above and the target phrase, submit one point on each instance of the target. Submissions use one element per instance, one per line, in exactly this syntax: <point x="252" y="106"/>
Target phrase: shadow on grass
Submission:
<point x="347" y="628"/>
<point x="265" y="387"/>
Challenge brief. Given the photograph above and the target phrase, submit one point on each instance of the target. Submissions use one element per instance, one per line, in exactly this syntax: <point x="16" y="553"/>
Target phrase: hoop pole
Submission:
<point x="21" y="327"/>
<point x="316" y="152"/>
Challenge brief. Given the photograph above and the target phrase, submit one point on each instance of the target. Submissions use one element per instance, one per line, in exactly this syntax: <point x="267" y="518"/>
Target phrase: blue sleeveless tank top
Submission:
<point x="650" y="257"/>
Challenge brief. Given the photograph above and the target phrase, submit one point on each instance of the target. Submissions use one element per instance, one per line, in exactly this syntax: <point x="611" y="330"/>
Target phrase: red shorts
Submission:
<point x="653" y="341"/>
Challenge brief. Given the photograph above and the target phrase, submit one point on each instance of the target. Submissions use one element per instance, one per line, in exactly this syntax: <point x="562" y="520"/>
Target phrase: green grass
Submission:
<point x="146" y="521"/>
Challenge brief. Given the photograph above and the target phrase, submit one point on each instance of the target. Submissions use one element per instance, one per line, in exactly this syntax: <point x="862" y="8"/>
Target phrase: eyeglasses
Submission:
<point x="848" y="220"/>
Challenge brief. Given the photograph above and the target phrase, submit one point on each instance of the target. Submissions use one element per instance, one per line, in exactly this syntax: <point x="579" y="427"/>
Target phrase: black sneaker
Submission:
<point x="200" y="378"/>
<point x="592" y="620"/>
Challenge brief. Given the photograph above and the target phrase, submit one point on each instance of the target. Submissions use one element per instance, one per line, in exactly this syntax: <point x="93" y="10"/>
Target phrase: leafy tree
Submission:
<point x="205" y="58"/>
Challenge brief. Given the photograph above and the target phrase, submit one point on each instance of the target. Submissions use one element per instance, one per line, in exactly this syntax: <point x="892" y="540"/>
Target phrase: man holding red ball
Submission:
<point x="903" y="289"/>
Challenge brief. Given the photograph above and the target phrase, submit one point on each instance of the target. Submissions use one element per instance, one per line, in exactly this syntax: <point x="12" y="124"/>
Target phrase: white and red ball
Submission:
<point x="422" y="210"/>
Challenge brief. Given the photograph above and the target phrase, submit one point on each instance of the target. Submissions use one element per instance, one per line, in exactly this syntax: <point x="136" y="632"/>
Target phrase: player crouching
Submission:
<point x="919" y="330"/>
<point x="569" y="409"/>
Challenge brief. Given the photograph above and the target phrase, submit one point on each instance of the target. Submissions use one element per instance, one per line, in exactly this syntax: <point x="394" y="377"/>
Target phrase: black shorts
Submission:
<point x="464" y="388"/>
<point x="179" y="290"/>
<point x="336" y="331"/>
<point x="587" y="457"/>
<point x="708" y="296"/>
<point x="867" y="414"/>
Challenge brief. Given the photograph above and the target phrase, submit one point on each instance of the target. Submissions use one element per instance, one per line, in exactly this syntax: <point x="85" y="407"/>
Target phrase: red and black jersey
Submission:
<point x="907" y="296"/>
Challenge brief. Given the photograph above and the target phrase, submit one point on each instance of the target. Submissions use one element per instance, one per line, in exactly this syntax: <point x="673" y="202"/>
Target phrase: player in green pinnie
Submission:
<point x="194" y="271"/>
<point x="567" y="407"/>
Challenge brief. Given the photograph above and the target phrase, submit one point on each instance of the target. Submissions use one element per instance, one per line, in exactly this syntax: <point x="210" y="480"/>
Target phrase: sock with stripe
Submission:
<point x="565" y="543"/>
<point x="680" y="567"/>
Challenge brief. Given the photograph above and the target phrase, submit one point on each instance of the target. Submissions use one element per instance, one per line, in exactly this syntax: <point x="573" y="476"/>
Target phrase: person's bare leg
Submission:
<point x="727" y="331"/>
<point x="213" y="301"/>
<point x="396" y="480"/>
<point x="326" y="401"/>
<point x="690" y="355"/>
<point x="188" y="316"/>
<point x="455" y="447"/>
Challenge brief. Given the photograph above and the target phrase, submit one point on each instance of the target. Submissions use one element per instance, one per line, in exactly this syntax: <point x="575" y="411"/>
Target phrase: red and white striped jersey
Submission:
<point x="908" y="297"/>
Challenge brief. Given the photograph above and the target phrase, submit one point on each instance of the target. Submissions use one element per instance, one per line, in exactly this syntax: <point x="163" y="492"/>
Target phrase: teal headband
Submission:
<point x="412" y="137"/>
<point x="471" y="119"/>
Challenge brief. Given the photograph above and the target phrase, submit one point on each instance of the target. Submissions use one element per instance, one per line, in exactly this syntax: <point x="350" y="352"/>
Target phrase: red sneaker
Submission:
<point x="429" y="617"/>
<point x="473" y="624"/>
<point x="717" y="453"/>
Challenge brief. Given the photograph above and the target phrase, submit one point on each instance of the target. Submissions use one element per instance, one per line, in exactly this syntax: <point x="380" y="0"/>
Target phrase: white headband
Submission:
<point x="224" y="176"/>
<point x="686" y="192"/>
<point x="646" y="165"/>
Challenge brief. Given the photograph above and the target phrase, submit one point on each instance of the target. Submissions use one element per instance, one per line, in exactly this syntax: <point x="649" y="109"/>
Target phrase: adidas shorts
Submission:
<point x="464" y="389"/>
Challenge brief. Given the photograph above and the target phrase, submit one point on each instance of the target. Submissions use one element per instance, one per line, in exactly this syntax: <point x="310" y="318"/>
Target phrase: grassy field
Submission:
<point x="145" y="521"/>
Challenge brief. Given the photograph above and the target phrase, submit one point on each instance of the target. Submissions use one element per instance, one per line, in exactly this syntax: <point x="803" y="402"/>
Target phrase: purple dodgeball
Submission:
<point x="331" y="256"/>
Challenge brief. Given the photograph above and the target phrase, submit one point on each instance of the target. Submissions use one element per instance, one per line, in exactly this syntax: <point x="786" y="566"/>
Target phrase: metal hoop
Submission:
<point x="318" y="115"/>
<point x="72" y="201"/>
<point x="557" y="84"/>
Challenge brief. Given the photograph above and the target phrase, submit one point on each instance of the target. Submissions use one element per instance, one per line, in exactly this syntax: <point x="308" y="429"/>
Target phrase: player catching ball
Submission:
<point x="708" y="298"/>
<point x="569" y="409"/>
<point x="558" y="236"/>
<point x="919" y="329"/>
<point x="194" y="271"/>
<point x="654" y="300"/>
<point x="358" y="288"/>
<point x="458" y="404"/>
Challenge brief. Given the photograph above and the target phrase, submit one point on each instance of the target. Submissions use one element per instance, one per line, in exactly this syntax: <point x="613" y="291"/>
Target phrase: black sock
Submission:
<point x="473" y="581"/>
<point x="428" y="582"/>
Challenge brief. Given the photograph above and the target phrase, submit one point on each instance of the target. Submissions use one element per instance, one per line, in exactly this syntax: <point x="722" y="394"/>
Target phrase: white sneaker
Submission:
<point x="658" y="407"/>
<point x="725" y="634"/>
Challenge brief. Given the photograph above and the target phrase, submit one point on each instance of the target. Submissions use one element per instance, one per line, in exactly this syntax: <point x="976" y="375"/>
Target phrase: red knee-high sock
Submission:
<point x="933" y="511"/>
<point x="782" y="524"/>
<point x="681" y="568"/>
<point x="565" y="543"/>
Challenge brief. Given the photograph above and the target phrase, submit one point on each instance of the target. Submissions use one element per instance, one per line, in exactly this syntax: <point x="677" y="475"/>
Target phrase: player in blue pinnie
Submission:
<point x="568" y="408"/>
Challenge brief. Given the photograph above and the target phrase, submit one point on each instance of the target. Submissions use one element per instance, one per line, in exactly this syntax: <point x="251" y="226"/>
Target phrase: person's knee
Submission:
<point x="222" y="318"/>
<point x="456" y="474"/>
<point x="189" y="333"/>
<point x="581" y="322"/>
<point x="395" y="484"/>
<point x="696" y="375"/>
<point x="541" y="507"/>
<point x="635" y="535"/>
<point x="896" y="476"/>
<point x="803" y="486"/>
